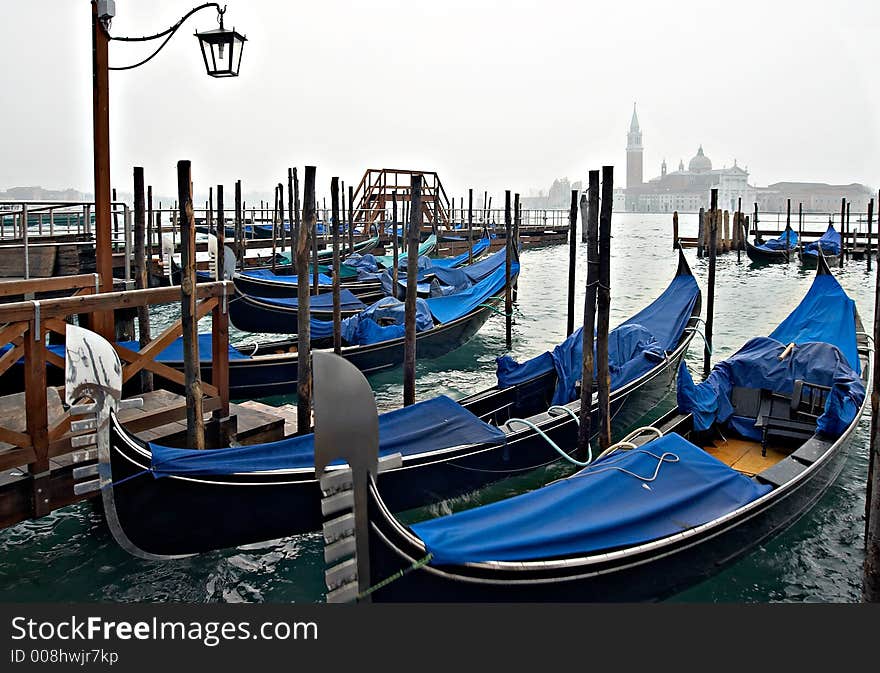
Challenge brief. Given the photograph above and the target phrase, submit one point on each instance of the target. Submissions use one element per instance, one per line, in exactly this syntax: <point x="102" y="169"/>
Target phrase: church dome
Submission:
<point x="700" y="163"/>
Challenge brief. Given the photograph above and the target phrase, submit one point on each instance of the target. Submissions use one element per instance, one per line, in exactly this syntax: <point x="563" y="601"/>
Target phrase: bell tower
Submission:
<point x="634" y="152"/>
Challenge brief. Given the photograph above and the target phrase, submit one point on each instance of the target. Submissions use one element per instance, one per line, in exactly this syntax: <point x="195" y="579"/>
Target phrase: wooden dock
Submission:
<point x="161" y="420"/>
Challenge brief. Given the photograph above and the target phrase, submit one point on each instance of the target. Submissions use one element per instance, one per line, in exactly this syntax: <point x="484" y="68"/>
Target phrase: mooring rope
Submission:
<point x="493" y="309"/>
<point x="396" y="576"/>
<point x="125" y="479"/>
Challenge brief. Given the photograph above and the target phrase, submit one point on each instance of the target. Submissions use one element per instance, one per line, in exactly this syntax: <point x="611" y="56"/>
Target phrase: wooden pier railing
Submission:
<point x="25" y="325"/>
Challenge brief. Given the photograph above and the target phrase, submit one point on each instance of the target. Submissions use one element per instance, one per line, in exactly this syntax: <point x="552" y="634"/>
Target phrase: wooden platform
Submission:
<point x="744" y="455"/>
<point x="161" y="420"/>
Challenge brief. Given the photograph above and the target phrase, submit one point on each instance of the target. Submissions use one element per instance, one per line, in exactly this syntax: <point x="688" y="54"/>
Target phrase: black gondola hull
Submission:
<point x="761" y="256"/>
<point x="173" y="515"/>
<point x="653" y="574"/>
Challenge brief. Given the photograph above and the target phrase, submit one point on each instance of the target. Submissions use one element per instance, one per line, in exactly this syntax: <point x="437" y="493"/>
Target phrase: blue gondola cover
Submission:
<point x="823" y="329"/>
<point x="434" y="424"/>
<point x="602" y="507"/>
<point x="829" y="242"/>
<point x="780" y="243"/>
<point x="634" y="347"/>
<point x="267" y="274"/>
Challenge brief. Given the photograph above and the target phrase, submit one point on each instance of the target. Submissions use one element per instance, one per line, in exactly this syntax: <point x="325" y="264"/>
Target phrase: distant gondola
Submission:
<point x="282" y="281"/>
<point x="777" y="250"/>
<point x="280" y="315"/>
<point x="742" y="458"/>
<point x="205" y="500"/>
<point x="830" y="246"/>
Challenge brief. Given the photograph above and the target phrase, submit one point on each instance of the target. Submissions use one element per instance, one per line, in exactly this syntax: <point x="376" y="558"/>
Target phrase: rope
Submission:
<point x="122" y="481"/>
<point x="396" y="576"/>
<point x="666" y="457"/>
<point x="546" y="438"/>
<point x="493" y="309"/>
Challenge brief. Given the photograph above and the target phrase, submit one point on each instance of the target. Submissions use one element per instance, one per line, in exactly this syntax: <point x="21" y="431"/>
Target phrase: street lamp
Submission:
<point x="225" y="62"/>
<point x="224" y="47"/>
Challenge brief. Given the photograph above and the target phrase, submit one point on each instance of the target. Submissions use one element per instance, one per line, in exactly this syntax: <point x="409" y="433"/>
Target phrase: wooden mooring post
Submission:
<point x="849" y="239"/>
<point x="871" y="579"/>
<point x="870" y="226"/>
<point x="755" y="223"/>
<point x="592" y="229"/>
<point x="517" y="220"/>
<point x="710" y="303"/>
<point x="314" y="236"/>
<point x="572" y="259"/>
<point x="274" y="229"/>
<point x="412" y="260"/>
<point x="337" y="309"/>
<point x="303" y="302"/>
<point x="350" y="220"/>
<point x="725" y="246"/>
<point x="470" y="226"/>
<point x="674" y="229"/>
<point x="195" y="418"/>
<point x="701" y="234"/>
<point x="840" y="259"/>
<point x="508" y="297"/>
<point x="395" y="273"/>
<point x="221" y="233"/>
<point x="603" y="308"/>
<point x="240" y="239"/>
<point x="149" y="232"/>
<point x="141" y="273"/>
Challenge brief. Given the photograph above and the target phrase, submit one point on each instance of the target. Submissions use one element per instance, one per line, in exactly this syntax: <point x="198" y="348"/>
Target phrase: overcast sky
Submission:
<point x="506" y="94"/>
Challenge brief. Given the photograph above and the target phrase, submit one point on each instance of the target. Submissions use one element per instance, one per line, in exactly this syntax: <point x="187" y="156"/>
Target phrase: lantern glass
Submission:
<point x="221" y="51"/>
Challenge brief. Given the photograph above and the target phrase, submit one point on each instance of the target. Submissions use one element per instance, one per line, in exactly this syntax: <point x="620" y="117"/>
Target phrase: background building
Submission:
<point x="688" y="188"/>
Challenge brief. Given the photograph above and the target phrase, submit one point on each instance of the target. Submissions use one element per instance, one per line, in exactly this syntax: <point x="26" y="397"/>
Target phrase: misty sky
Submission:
<point x="492" y="95"/>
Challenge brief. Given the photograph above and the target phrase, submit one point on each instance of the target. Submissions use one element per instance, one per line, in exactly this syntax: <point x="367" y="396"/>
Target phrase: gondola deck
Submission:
<point x="799" y="466"/>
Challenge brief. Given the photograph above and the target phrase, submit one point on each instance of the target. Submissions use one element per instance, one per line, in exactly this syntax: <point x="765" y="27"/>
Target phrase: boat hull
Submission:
<point x="649" y="573"/>
<point x="760" y="256"/>
<point x="176" y="515"/>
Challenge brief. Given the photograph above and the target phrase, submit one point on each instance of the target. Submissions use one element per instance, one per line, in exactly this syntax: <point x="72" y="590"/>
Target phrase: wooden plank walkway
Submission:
<point x="161" y="420"/>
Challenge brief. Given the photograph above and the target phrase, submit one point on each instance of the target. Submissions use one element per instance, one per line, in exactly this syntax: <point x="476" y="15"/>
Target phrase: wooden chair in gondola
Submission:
<point x="791" y="418"/>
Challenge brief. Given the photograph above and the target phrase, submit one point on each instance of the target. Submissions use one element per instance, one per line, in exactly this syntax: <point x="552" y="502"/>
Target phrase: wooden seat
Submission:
<point x="791" y="418"/>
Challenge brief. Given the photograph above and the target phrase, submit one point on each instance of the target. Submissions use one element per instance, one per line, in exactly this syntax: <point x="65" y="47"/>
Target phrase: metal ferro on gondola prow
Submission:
<point x="93" y="370"/>
<point x="353" y="436"/>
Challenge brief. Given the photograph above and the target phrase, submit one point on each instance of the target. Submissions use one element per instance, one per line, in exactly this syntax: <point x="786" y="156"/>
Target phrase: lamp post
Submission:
<point x="224" y="48"/>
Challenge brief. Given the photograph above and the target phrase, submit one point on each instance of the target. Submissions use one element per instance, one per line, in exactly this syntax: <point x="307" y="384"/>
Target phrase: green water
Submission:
<point x="69" y="556"/>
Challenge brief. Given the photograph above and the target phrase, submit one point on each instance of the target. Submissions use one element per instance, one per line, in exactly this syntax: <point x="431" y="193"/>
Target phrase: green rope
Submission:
<point x="493" y="309"/>
<point x="396" y="576"/>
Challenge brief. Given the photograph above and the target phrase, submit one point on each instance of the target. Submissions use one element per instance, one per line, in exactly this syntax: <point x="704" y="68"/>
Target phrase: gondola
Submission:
<point x="742" y="457"/>
<point x="280" y="315"/>
<point x="282" y="282"/>
<point x="774" y="251"/>
<point x="243" y="495"/>
<point x="829" y="243"/>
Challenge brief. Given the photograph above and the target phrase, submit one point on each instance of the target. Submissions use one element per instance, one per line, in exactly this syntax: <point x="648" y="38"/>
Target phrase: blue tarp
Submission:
<point x="454" y="306"/>
<point x="482" y="269"/>
<point x="362" y="262"/>
<point x="599" y="508"/>
<point x="458" y="260"/>
<point x="382" y="321"/>
<point x="756" y="365"/>
<point x="431" y="425"/>
<point x="823" y="328"/>
<point x="779" y="243"/>
<point x="826" y="314"/>
<point x="830" y="243"/>
<point x="321" y="303"/>
<point x="634" y="348"/>
<point x="281" y="278"/>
